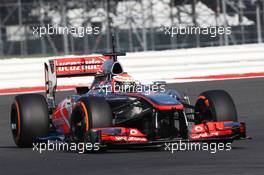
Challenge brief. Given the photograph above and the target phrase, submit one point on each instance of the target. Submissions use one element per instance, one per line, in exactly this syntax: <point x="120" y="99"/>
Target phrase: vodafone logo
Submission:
<point x="200" y="136"/>
<point x="133" y="132"/>
<point x="137" y="139"/>
<point x="215" y="133"/>
<point x="130" y="139"/>
<point x="198" y="128"/>
<point x="73" y="65"/>
<point x="78" y="66"/>
<point x="120" y="138"/>
<point x="205" y="135"/>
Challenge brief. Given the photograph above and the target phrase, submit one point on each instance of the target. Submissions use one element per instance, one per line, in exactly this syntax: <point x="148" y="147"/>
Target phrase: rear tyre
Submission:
<point x="215" y="105"/>
<point x="89" y="112"/>
<point x="29" y="119"/>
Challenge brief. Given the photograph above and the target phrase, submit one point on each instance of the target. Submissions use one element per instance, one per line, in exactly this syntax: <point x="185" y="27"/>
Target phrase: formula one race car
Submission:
<point x="118" y="111"/>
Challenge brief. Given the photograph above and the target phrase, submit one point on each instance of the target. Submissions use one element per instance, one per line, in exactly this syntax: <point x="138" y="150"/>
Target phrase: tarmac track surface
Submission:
<point x="246" y="157"/>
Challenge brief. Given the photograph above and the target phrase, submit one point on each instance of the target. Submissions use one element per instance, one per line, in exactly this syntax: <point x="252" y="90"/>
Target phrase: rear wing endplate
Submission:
<point x="70" y="67"/>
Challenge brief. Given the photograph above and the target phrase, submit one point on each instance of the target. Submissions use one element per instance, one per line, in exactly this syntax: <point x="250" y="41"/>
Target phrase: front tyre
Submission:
<point x="89" y="112"/>
<point x="215" y="105"/>
<point x="29" y="119"/>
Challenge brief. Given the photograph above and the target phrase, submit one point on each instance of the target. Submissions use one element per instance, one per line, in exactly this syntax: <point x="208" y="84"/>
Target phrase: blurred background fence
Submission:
<point x="137" y="24"/>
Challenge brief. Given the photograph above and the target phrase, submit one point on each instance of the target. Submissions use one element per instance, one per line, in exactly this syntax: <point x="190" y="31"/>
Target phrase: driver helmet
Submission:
<point x="123" y="83"/>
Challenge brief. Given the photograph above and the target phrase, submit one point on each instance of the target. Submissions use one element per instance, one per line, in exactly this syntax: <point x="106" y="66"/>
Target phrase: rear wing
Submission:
<point x="71" y="67"/>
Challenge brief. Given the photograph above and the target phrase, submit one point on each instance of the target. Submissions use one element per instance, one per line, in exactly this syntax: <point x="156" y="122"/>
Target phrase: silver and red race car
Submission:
<point x="115" y="110"/>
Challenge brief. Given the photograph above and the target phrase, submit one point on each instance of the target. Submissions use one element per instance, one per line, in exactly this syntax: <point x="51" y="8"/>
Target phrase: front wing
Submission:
<point x="206" y="132"/>
<point x="122" y="137"/>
